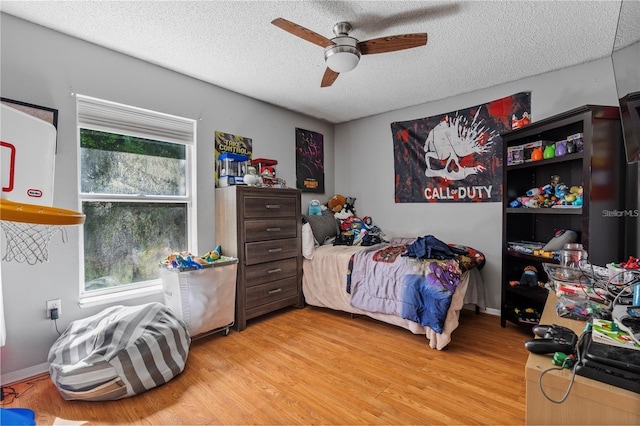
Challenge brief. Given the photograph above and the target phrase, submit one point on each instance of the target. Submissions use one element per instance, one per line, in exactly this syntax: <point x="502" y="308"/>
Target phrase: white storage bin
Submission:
<point x="204" y="298"/>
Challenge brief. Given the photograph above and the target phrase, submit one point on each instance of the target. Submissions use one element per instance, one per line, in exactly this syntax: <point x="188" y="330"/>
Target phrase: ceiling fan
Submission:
<point x="343" y="52"/>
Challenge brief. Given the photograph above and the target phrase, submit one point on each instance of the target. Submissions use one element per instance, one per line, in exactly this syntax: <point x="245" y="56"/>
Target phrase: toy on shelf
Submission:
<point x="529" y="277"/>
<point x="516" y="122"/>
<point x="252" y="178"/>
<point x="231" y="168"/>
<point x="267" y="169"/>
<point x="549" y="151"/>
<point x="555" y="194"/>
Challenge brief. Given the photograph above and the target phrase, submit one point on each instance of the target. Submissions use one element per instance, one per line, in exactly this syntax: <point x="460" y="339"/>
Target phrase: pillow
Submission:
<point x="324" y="227"/>
<point x="308" y="242"/>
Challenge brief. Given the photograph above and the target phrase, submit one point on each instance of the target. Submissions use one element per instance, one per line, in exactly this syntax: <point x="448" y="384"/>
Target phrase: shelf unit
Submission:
<point x="599" y="168"/>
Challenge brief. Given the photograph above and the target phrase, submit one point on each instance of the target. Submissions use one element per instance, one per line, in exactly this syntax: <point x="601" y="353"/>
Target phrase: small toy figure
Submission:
<point x="549" y="151"/>
<point x="529" y="277"/>
<point x="268" y="172"/>
<point x="516" y="123"/>
<point x="536" y="155"/>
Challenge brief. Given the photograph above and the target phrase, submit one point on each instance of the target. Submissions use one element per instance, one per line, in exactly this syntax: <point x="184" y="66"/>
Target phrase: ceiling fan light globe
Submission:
<point x="341" y="58"/>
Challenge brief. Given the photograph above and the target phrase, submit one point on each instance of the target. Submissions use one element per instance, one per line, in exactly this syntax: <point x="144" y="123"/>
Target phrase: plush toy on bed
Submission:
<point x="314" y="208"/>
<point x="347" y="209"/>
<point x="353" y="229"/>
<point x="336" y="203"/>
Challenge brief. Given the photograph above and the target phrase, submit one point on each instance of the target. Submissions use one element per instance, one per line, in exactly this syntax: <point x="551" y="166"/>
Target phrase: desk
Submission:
<point x="589" y="402"/>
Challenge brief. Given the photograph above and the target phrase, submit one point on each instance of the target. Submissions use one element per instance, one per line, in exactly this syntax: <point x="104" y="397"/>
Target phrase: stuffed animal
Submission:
<point x="314" y="208"/>
<point x="336" y="203"/>
<point x="347" y="209"/>
<point x="529" y="277"/>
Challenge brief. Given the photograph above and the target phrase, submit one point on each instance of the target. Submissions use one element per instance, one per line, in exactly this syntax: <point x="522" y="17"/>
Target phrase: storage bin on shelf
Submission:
<point x="204" y="298"/>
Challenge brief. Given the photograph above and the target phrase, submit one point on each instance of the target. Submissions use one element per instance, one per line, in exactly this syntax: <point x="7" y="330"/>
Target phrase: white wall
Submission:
<point x="43" y="67"/>
<point x="365" y="170"/>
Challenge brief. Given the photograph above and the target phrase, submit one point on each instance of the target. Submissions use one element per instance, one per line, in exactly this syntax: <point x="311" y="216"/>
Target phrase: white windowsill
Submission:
<point x="107" y="299"/>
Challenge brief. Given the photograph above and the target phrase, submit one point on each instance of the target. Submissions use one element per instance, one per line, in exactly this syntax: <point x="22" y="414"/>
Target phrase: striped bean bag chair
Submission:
<point x="119" y="352"/>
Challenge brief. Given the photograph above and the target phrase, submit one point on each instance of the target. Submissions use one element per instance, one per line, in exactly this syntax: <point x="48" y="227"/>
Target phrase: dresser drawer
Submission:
<point x="266" y="251"/>
<point x="270" y="229"/>
<point x="271" y="271"/>
<point x="269" y="207"/>
<point x="270" y="292"/>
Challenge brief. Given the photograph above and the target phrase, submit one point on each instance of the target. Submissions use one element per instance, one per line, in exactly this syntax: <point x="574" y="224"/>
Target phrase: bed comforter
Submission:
<point x="325" y="285"/>
<point x="383" y="280"/>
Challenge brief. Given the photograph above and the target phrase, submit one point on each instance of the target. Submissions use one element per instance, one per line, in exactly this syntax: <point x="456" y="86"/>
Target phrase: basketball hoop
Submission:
<point x="28" y="229"/>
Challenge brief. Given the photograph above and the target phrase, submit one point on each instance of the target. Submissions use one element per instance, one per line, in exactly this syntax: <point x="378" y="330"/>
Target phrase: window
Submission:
<point x="137" y="180"/>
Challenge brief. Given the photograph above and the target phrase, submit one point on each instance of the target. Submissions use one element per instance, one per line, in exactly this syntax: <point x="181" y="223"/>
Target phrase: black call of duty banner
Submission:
<point x="457" y="156"/>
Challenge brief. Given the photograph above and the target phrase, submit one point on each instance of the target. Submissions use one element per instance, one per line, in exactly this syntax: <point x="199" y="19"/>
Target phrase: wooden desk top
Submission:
<point x="624" y="405"/>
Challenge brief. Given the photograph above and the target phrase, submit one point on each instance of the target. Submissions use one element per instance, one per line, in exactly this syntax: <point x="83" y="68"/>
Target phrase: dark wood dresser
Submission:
<point x="262" y="228"/>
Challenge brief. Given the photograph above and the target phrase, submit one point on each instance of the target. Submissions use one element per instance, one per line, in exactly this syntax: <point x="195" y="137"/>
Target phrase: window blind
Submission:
<point x="112" y="117"/>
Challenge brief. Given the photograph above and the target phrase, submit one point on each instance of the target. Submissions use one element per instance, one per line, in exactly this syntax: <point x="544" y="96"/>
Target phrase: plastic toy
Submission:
<point x="631" y="263"/>
<point x="561" y="148"/>
<point x="251" y="178"/>
<point x="549" y="151"/>
<point x="533" y="191"/>
<point x="536" y="155"/>
<point x="517" y="123"/>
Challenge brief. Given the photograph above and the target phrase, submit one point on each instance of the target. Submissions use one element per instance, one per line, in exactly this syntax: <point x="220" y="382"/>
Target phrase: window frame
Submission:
<point x="104" y="116"/>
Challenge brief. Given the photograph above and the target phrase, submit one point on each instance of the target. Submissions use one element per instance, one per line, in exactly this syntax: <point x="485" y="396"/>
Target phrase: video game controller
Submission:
<point x="554" y="338"/>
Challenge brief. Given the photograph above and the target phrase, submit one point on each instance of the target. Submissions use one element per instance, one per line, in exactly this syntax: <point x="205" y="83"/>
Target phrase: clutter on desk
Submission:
<point x="581" y="309"/>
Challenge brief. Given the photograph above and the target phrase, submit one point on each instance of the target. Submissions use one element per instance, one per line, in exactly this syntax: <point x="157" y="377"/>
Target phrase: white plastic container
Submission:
<point x="204" y="298"/>
<point x="619" y="276"/>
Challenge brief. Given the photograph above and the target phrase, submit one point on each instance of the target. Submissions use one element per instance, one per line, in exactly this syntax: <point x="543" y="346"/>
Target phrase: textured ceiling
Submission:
<point x="472" y="44"/>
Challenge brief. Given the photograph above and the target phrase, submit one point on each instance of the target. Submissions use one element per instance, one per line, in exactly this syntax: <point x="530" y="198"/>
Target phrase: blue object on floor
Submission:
<point x="17" y="416"/>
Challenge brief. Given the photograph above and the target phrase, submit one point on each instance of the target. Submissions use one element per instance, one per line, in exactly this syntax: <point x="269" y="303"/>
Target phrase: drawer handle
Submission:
<point x="274" y="291"/>
<point x="273" y="271"/>
<point x="273" y="206"/>
<point x="273" y="229"/>
<point x="275" y="250"/>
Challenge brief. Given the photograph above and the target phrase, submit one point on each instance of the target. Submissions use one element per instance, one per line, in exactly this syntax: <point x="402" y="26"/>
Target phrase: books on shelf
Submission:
<point x="604" y="331"/>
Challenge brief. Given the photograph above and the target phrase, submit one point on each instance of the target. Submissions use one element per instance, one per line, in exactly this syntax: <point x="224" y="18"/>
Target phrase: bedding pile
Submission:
<point x="415" y="281"/>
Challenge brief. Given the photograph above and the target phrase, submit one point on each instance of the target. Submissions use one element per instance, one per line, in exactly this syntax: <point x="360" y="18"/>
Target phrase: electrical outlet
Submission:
<point x="54" y="304"/>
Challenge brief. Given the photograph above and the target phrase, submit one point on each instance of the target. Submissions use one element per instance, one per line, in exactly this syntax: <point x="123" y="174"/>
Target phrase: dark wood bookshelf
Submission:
<point x="598" y="168"/>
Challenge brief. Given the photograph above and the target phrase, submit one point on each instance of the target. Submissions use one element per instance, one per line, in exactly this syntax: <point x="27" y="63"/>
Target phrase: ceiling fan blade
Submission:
<point x="329" y="77"/>
<point x="302" y="32"/>
<point x="392" y="43"/>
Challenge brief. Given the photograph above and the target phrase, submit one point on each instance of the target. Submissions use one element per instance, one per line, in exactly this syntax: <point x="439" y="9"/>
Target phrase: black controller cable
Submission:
<point x="562" y="367"/>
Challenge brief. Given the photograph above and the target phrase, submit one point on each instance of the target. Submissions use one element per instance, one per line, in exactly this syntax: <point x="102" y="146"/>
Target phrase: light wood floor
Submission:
<point x="317" y="366"/>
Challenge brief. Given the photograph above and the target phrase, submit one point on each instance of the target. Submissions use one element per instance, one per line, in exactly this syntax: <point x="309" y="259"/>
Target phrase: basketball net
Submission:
<point x="28" y="242"/>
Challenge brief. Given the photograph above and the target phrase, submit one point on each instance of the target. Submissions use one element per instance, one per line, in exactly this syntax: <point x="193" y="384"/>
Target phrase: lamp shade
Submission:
<point x="342" y="56"/>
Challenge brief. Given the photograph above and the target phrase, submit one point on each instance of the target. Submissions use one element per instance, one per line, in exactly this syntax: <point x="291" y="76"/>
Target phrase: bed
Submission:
<point x="332" y="276"/>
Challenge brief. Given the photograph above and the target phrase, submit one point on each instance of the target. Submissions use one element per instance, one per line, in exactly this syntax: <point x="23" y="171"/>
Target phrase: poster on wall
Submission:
<point x="456" y="156"/>
<point x="226" y="142"/>
<point x="309" y="161"/>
